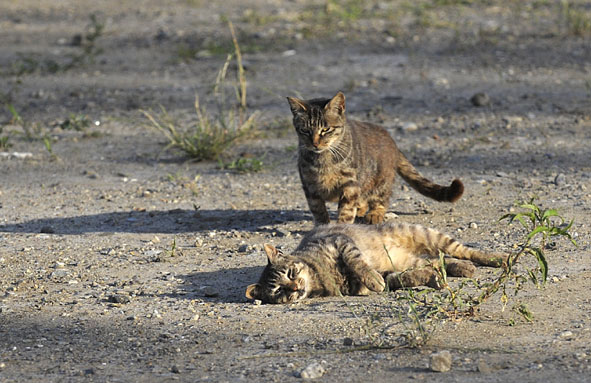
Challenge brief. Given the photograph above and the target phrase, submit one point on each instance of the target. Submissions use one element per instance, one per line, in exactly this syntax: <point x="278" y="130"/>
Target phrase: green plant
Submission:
<point x="78" y="122"/>
<point x="420" y="312"/>
<point x="577" y="22"/>
<point x="243" y="165"/>
<point x="209" y="138"/>
<point x="212" y="135"/>
<point x="4" y="144"/>
<point x="87" y="42"/>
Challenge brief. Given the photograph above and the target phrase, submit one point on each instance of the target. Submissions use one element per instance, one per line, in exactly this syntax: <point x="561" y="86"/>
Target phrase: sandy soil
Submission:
<point x="90" y="287"/>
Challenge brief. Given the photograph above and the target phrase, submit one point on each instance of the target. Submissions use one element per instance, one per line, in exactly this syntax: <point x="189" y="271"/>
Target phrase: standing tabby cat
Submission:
<point x="353" y="163"/>
<point x="345" y="259"/>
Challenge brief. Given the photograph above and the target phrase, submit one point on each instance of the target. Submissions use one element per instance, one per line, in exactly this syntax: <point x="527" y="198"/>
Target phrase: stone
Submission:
<point x="440" y="361"/>
<point x="60" y="273"/>
<point x="566" y="334"/>
<point x="348" y="342"/>
<point x="312" y="371"/>
<point x="483" y="367"/>
<point x="209" y="291"/>
<point x="560" y="179"/>
<point x="243" y="249"/>
<point x="118" y="298"/>
<point x="480" y="99"/>
<point x="47" y="230"/>
<point x="408" y="126"/>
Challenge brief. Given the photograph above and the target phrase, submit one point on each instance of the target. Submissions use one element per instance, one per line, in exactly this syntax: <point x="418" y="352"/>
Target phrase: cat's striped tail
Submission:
<point x="426" y="187"/>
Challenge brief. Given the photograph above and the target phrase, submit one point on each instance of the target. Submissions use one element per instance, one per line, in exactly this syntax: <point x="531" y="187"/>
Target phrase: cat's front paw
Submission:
<point x="373" y="218"/>
<point x="374" y="281"/>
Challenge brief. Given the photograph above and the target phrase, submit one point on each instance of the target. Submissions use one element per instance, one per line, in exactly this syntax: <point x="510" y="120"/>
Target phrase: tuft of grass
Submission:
<point x="209" y="138"/>
<point x="212" y="135"/>
<point x="578" y="23"/>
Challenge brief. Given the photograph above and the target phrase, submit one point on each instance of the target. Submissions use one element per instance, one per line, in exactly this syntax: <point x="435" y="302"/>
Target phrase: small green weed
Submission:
<point x="421" y="311"/>
<point x="4" y="144"/>
<point x="78" y="122"/>
<point x="87" y="42"/>
<point x="577" y="22"/>
<point x="243" y="165"/>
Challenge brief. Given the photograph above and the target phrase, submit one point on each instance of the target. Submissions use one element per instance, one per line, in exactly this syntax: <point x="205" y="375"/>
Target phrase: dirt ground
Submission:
<point x="123" y="263"/>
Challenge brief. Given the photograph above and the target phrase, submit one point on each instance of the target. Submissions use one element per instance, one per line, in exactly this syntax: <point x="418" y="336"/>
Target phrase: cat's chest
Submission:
<point x="327" y="181"/>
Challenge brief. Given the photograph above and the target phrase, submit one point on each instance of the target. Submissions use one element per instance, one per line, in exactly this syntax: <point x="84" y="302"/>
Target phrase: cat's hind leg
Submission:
<point x="459" y="268"/>
<point x="424" y="276"/>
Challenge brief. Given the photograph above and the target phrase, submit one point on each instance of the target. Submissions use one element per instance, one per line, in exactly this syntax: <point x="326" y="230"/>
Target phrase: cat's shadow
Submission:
<point x="222" y="286"/>
<point x="160" y="221"/>
<point x="167" y="221"/>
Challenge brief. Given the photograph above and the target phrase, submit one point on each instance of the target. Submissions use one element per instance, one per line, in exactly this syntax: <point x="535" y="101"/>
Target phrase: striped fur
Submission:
<point x="345" y="259"/>
<point x="353" y="163"/>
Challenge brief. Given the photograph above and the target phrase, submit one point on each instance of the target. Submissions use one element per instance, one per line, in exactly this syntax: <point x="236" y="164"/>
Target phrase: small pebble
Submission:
<point x="408" y="126"/>
<point x="440" y="361"/>
<point x="566" y="334"/>
<point x="47" y="230"/>
<point x="118" y="298"/>
<point x="60" y="273"/>
<point x="209" y="291"/>
<point x="243" y="249"/>
<point x="348" y="342"/>
<point x="560" y="179"/>
<point x="480" y="99"/>
<point x="483" y="366"/>
<point x="312" y="371"/>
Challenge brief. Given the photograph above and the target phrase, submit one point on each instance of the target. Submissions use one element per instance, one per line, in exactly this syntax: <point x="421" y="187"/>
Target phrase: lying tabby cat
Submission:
<point x="356" y="259"/>
<point x="353" y="163"/>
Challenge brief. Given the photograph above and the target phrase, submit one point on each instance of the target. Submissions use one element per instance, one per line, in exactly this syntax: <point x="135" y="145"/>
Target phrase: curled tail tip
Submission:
<point x="455" y="191"/>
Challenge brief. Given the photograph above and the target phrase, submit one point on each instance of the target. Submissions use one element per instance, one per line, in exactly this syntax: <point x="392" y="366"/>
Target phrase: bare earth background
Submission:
<point x="89" y="288"/>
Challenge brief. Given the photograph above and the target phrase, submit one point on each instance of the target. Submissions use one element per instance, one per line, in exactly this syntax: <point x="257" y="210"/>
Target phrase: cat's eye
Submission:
<point x="326" y="130"/>
<point x="292" y="273"/>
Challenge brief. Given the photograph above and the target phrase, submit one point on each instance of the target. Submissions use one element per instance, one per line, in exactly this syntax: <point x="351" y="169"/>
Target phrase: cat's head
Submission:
<point x="318" y="122"/>
<point x="285" y="279"/>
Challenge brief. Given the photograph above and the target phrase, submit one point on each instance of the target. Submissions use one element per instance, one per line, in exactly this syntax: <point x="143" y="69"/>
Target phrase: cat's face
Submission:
<point x="318" y="123"/>
<point x="284" y="280"/>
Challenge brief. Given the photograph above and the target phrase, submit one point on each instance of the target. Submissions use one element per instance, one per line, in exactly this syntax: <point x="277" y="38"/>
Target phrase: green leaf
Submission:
<point x="537" y="230"/>
<point x="549" y="213"/>
<point x="541" y="262"/>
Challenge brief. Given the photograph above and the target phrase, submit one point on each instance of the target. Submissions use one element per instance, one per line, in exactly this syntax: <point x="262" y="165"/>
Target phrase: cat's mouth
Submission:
<point x="316" y="149"/>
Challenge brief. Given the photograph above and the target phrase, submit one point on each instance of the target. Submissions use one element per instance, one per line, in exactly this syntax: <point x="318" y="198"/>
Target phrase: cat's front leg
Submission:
<point x="317" y="207"/>
<point x="348" y="202"/>
<point x="354" y="260"/>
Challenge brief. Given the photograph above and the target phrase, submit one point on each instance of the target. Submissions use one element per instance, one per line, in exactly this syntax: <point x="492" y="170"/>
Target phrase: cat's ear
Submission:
<point x="336" y="105"/>
<point x="297" y="105"/>
<point x="272" y="253"/>
<point x="253" y="291"/>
